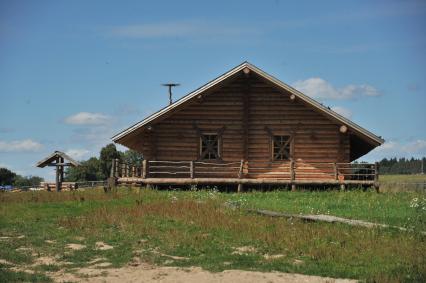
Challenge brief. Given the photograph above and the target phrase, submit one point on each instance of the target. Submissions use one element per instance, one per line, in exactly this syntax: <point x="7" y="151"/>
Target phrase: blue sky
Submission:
<point x="74" y="73"/>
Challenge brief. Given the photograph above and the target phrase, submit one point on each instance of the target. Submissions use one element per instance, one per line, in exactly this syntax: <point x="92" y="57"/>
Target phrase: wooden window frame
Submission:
<point x="219" y="147"/>
<point x="272" y="135"/>
<point x="289" y="143"/>
<point x="200" y="133"/>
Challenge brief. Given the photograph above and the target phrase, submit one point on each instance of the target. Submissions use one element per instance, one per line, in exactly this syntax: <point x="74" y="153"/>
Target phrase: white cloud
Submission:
<point x="178" y="29"/>
<point x="416" y="148"/>
<point x="77" y="153"/>
<point x="342" y="111"/>
<point x="20" y="146"/>
<point x="87" y="118"/>
<point x="320" y="88"/>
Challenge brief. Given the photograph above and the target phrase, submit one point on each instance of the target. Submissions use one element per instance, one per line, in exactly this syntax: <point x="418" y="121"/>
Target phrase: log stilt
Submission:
<point x="293" y="187"/>
<point x="342" y="187"/>
<point x="240" y="188"/>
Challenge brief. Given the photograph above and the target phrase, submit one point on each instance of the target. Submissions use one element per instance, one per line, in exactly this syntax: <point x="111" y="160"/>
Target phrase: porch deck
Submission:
<point x="243" y="172"/>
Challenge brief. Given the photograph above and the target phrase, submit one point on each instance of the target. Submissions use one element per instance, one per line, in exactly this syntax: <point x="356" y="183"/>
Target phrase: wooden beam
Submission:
<point x="246" y="71"/>
<point x="59" y="164"/>
<point x="245" y="122"/>
<point x="195" y="181"/>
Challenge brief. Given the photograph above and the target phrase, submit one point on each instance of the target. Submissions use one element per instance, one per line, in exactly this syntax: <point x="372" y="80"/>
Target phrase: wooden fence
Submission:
<point x="290" y="170"/>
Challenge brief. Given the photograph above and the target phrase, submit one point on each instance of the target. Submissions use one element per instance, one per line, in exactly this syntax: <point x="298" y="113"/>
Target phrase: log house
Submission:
<point x="247" y="127"/>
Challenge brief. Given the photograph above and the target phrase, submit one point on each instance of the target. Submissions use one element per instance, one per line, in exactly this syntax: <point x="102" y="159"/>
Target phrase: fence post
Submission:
<point x="123" y="170"/>
<point x="116" y="170"/>
<point x="240" y="173"/>
<point x="376" y="177"/>
<point x="292" y="171"/>
<point x="335" y="171"/>
<point x="133" y="171"/>
<point x="112" y="174"/>
<point x="144" y="168"/>
<point x="292" y="176"/>
<point x="376" y="172"/>
<point x="191" y="169"/>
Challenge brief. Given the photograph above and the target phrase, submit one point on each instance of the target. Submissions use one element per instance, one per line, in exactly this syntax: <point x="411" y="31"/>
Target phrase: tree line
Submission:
<point x="99" y="168"/>
<point x="402" y="166"/>
<point x="8" y="177"/>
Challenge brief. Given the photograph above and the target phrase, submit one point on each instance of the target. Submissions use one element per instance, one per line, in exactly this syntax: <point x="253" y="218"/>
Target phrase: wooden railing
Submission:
<point x="288" y="170"/>
<point x="177" y="169"/>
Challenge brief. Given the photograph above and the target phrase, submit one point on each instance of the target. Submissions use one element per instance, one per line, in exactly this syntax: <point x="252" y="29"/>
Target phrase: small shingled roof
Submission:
<point x="54" y="156"/>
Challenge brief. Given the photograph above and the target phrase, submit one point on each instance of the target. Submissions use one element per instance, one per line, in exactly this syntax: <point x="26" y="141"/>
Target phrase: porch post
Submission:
<point x="144" y="168"/>
<point x="191" y="169"/>
<point x="292" y="176"/>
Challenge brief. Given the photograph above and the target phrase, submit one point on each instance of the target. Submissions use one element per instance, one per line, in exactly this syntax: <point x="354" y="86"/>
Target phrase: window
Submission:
<point x="209" y="146"/>
<point x="281" y="147"/>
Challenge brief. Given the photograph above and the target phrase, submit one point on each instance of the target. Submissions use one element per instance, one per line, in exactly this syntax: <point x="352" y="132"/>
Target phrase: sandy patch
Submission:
<point x="103" y="264"/>
<point x="75" y="247"/>
<point x="102" y="246"/>
<point x="23" y="249"/>
<point x="180" y="275"/>
<point x="45" y="260"/>
<point x="97" y="259"/>
<point x="79" y="238"/>
<point x="298" y="262"/>
<point x="175" y="257"/>
<point x="272" y="257"/>
<point x="50" y="241"/>
<point x="3" y="261"/>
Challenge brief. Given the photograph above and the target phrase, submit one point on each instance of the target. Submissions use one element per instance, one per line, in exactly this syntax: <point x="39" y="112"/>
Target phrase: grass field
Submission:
<point x="70" y="230"/>
<point x="402" y="183"/>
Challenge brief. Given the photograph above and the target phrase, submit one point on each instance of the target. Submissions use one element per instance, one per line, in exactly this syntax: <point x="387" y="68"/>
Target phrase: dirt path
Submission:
<point x="148" y="274"/>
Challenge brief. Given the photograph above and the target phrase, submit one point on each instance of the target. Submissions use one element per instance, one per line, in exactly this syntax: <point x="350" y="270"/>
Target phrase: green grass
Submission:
<point x="199" y="227"/>
<point x="403" y="178"/>
<point x="403" y="183"/>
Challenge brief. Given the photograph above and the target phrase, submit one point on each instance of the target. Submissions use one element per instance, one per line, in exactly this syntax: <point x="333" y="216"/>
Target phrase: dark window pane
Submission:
<point x="209" y="146"/>
<point x="281" y="147"/>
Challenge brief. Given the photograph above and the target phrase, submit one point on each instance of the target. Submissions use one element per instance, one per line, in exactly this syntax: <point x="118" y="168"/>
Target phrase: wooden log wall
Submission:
<point x="244" y="105"/>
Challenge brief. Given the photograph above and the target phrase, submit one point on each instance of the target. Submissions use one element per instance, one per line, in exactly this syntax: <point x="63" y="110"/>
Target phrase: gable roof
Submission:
<point x="308" y="100"/>
<point x="46" y="161"/>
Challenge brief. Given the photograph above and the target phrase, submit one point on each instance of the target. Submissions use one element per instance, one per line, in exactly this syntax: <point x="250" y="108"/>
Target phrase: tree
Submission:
<point x="89" y="170"/>
<point x="107" y="154"/>
<point x="29" y="181"/>
<point x="132" y="157"/>
<point x="7" y="177"/>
